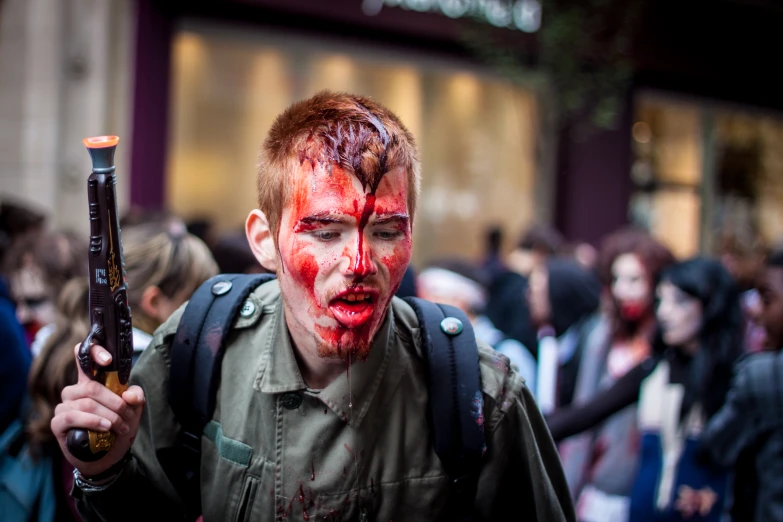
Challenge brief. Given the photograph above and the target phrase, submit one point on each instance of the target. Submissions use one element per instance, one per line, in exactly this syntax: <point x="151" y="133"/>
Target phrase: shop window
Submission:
<point x="667" y="172"/>
<point x="749" y="176"/>
<point x="477" y="134"/>
<point x="708" y="177"/>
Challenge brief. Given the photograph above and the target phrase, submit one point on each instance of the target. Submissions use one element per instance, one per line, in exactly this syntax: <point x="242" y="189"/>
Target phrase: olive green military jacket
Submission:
<point x="357" y="450"/>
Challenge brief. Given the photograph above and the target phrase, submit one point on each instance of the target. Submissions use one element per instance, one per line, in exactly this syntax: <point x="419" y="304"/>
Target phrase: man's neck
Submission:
<point x="318" y="372"/>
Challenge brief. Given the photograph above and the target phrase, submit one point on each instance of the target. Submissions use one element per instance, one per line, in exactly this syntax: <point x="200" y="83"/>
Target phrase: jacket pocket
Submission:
<point x="246" y="500"/>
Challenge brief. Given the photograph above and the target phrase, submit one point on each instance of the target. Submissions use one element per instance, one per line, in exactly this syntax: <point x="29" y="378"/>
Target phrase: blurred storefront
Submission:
<point x="231" y="67"/>
<point x="477" y="133"/>
<point x="707" y="175"/>
<point x="696" y="158"/>
<point x="690" y="169"/>
<point x="193" y="86"/>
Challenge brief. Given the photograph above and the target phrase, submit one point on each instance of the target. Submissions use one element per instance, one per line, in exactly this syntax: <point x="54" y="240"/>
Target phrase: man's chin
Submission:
<point x="356" y="352"/>
<point x="337" y="343"/>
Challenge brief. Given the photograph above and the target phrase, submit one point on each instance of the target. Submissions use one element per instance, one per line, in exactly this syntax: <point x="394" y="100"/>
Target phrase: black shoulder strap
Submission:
<point x="456" y="404"/>
<point x="196" y="356"/>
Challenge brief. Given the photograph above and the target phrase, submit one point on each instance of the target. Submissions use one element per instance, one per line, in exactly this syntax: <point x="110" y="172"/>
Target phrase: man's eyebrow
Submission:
<point x="387" y="218"/>
<point x="323" y="219"/>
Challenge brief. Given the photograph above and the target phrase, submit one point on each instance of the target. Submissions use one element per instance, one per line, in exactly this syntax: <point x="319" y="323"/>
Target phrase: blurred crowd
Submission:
<point x="632" y="354"/>
<point x="657" y="375"/>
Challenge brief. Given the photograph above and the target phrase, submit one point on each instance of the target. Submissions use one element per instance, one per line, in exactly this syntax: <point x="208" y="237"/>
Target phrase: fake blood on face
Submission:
<point x="361" y="265"/>
<point x="632" y="311"/>
<point x="322" y="269"/>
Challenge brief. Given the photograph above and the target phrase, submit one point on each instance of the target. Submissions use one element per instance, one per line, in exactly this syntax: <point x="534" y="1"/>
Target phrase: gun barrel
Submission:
<point x="101" y="149"/>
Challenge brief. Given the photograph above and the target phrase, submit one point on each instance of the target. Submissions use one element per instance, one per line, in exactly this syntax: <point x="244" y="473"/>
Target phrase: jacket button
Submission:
<point x="291" y="401"/>
<point x="248" y="309"/>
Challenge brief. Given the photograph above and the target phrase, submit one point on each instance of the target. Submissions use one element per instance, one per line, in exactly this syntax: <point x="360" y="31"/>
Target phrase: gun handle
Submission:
<point x="88" y="445"/>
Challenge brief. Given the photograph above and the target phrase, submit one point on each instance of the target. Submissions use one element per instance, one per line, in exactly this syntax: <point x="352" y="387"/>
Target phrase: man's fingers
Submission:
<point x="80" y="420"/>
<point x="95" y="391"/>
<point x="118" y="423"/>
<point x="98" y="354"/>
<point x="134" y="396"/>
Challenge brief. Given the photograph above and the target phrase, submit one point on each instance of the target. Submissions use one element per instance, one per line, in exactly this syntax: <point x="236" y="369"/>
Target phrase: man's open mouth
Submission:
<point x="353" y="307"/>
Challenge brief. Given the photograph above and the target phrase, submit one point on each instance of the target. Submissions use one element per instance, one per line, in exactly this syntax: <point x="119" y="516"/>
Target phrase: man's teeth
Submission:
<point x="357" y="297"/>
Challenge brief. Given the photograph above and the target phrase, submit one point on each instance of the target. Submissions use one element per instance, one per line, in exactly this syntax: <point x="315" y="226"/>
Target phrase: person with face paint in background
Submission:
<point x="38" y="267"/>
<point x="678" y="389"/>
<point x="322" y="408"/>
<point x="601" y="464"/>
<point x="749" y="427"/>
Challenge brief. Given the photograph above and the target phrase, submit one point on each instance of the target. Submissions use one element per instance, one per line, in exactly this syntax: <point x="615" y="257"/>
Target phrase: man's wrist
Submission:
<point x="89" y="485"/>
<point x="103" y="479"/>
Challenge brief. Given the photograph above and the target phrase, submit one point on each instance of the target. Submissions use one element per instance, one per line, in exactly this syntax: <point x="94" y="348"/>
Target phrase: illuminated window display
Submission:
<point x="706" y="172"/>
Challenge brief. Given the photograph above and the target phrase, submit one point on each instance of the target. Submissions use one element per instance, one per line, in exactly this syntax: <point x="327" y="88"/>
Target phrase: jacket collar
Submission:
<point x="351" y="394"/>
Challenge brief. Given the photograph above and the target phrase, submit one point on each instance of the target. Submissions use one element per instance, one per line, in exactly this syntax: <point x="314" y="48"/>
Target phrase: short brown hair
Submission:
<point x="360" y="135"/>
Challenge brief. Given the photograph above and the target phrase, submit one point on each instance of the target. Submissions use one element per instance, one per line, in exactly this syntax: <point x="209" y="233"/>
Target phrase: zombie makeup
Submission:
<point x="343" y="249"/>
<point x="34" y="309"/>
<point x="680" y="316"/>
<point x="630" y="287"/>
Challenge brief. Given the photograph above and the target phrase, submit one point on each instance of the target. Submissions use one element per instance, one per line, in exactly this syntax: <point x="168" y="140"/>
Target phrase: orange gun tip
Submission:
<point x="99" y="142"/>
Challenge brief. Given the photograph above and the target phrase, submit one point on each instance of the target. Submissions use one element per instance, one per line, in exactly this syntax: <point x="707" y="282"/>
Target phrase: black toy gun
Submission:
<point x="110" y="317"/>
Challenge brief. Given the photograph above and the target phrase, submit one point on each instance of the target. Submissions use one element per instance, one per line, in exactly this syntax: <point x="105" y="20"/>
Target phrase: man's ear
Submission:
<point x="259" y="236"/>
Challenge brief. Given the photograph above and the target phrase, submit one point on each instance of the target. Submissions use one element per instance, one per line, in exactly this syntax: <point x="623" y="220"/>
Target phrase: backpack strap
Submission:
<point x="196" y="357"/>
<point x="456" y="403"/>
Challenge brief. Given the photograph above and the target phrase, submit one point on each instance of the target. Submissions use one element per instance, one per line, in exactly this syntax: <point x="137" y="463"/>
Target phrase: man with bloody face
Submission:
<point x="341" y="244"/>
<point x="322" y="408"/>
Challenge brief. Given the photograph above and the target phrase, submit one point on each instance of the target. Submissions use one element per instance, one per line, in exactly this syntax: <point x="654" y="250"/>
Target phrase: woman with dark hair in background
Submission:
<point x="600" y="465"/>
<point x="678" y="389"/>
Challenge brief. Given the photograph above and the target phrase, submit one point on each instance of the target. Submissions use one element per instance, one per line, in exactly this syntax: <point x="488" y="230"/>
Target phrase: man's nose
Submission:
<point x="360" y="258"/>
